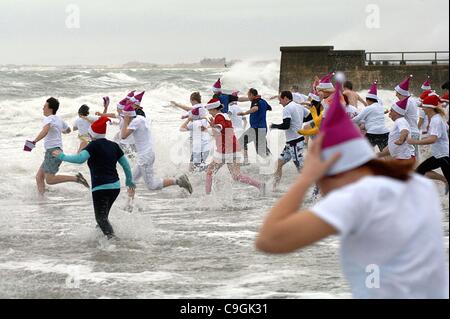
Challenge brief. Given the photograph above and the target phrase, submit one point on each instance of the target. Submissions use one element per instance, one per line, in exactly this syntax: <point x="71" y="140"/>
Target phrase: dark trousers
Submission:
<point x="258" y="137"/>
<point x="103" y="201"/>
<point x="434" y="163"/>
<point x="380" y="140"/>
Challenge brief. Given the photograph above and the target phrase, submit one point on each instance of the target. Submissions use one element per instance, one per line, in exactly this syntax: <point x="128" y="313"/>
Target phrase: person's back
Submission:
<point x="412" y="115"/>
<point x="395" y="233"/>
<point x="57" y="127"/>
<point x="104" y="155"/>
<point x="374" y="118"/>
<point x="295" y="112"/>
<point x="142" y="134"/>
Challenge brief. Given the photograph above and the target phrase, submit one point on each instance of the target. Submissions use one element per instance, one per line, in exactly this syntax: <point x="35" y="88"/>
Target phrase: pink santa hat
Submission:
<point x="325" y="83"/>
<point x="129" y="110"/>
<point x="130" y="95"/>
<point x="373" y="92"/>
<point x="217" y="87"/>
<point x="121" y="105"/>
<point x="137" y="99"/>
<point x="342" y="136"/>
<point x="403" y="88"/>
<point x="426" y="85"/>
<point x="401" y="106"/>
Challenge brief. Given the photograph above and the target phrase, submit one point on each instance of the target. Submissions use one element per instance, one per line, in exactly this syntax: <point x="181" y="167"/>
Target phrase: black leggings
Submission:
<point x="258" y="136"/>
<point x="103" y="201"/>
<point x="434" y="163"/>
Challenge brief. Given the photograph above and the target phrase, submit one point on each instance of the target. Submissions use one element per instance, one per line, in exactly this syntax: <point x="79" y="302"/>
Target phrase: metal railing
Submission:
<point x="402" y="58"/>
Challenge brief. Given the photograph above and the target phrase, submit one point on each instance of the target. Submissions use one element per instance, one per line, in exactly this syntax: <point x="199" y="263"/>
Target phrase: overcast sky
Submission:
<point x="172" y="31"/>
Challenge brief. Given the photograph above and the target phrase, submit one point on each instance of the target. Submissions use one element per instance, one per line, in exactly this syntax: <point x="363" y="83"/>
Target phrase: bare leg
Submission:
<point x="213" y="168"/>
<point x="40" y="181"/>
<point x="235" y="171"/>
<point x="437" y="177"/>
<point x="278" y="174"/>
<point x="169" y="182"/>
<point x="52" y="179"/>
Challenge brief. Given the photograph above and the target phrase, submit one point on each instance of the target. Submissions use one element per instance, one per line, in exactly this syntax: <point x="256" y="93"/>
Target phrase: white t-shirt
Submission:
<point x="412" y="115"/>
<point x="294" y="112"/>
<point x="142" y="134"/>
<point x="373" y="118"/>
<point x="351" y="111"/>
<point x="299" y="98"/>
<point x="391" y="231"/>
<point x="83" y="125"/>
<point x="404" y="151"/>
<point x="438" y="128"/>
<point x="238" y="123"/>
<point x="424" y="127"/>
<point x="200" y="139"/>
<point x="57" y="126"/>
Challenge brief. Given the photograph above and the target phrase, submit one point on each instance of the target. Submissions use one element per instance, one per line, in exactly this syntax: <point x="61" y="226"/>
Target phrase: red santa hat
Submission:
<point x="137" y="99"/>
<point x="217" y="87"/>
<point x="401" y="106"/>
<point x="431" y="101"/>
<point x="373" y="92"/>
<point x="426" y="85"/>
<point x="342" y="136"/>
<point x="444" y="98"/>
<point x="325" y="83"/>
<point x="213" y="104"/>
<point x="98" y="129"/>
<point x="403" y="88"/>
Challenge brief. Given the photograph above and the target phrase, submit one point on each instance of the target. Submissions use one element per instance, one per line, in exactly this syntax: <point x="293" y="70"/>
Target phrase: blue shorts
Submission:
<point x="51" y="164"/>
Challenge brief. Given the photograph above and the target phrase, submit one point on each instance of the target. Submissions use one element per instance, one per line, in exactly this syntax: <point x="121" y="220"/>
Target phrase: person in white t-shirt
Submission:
<point x="138" y="126"/>
<point x="389" y="219"/>
<point x="398" y="148"/>
<point x="293" y="115"/>
<point x="239" y="122"/>
<point x="53" y="127"/>
<point x="200" y="142"/>
<point x="82" y="124"/>
<point x="438" y="139"/>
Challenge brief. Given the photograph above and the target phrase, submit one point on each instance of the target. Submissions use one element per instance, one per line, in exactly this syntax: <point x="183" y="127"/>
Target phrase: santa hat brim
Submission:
<point x="314" y="97"/>
<point x="129" y="113"/>
<point x="325" y="86"/>
<point x="372" y="96"/>
<point x="216" y="90"/>
<point x="398" y="109"/>
<point x="95" y="135"/>
<point x="354" y="154"/>
<point x="426" y="88"/>
<point x="429" y="106"/>
<point x="402" y="91"/>
<point x="213" y="106"/>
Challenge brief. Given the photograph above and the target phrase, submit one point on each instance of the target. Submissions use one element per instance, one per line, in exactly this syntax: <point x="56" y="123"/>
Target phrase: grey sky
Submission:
<point x="172" y="31"/>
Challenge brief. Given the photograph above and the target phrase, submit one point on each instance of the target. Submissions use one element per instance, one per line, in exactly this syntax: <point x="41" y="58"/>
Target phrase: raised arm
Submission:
<point x="181" y="106"/>
<point x="75" y="159"/>
<point x="42" y="134"/>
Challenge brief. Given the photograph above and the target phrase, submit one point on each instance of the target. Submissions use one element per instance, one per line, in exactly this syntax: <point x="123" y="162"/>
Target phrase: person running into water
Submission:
<point x="199" y="140"/>
<point x="412" y="111"/>
<point x="373" y="118"/>
<point x="102" y="157"/>
<point x="53" y="127"/>
<point x="388" y="219"/>
<point x="438" y="138"/>
<point x="257" y="132"/>
<point x="82" y="124"/>
<point x="398" y="148"/>
<point x="137" y="126"/>
<point x="227" y="149"/>
<point x="197" y="107"/>
<point x="293" y="115"/>
<point x="352" y="96"/>
<point x="225" y="99"/>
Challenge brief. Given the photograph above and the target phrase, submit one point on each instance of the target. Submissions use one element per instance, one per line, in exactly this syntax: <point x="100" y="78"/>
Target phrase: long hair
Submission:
<point x="399" y="170"/>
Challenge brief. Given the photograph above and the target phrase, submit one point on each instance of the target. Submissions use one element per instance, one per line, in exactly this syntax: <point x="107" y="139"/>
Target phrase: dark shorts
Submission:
<point x="434" y="163"/>
<point x="51" y="164"/>
<point x="380" y="140"/>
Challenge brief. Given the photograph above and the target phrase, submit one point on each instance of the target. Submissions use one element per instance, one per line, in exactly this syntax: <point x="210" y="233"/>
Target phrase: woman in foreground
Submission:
<point x="388" y="218"/>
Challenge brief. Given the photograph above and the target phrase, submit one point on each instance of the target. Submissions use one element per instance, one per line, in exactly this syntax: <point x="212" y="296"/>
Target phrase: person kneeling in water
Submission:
<point x="102" y="156"/>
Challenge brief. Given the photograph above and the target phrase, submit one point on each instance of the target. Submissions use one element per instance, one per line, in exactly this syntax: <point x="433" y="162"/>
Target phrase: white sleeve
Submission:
<point x="190" y="126"/>
<point x="286" y="113"/>
<point x="133" y="125"/>
<point x="403" y="125"/>
<point x="341" y="209"/>
<point x="435" y="129"/>
<point x="361" y="116"/>
<point x="47" y="120"/>
<point x="65" y="126"/>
